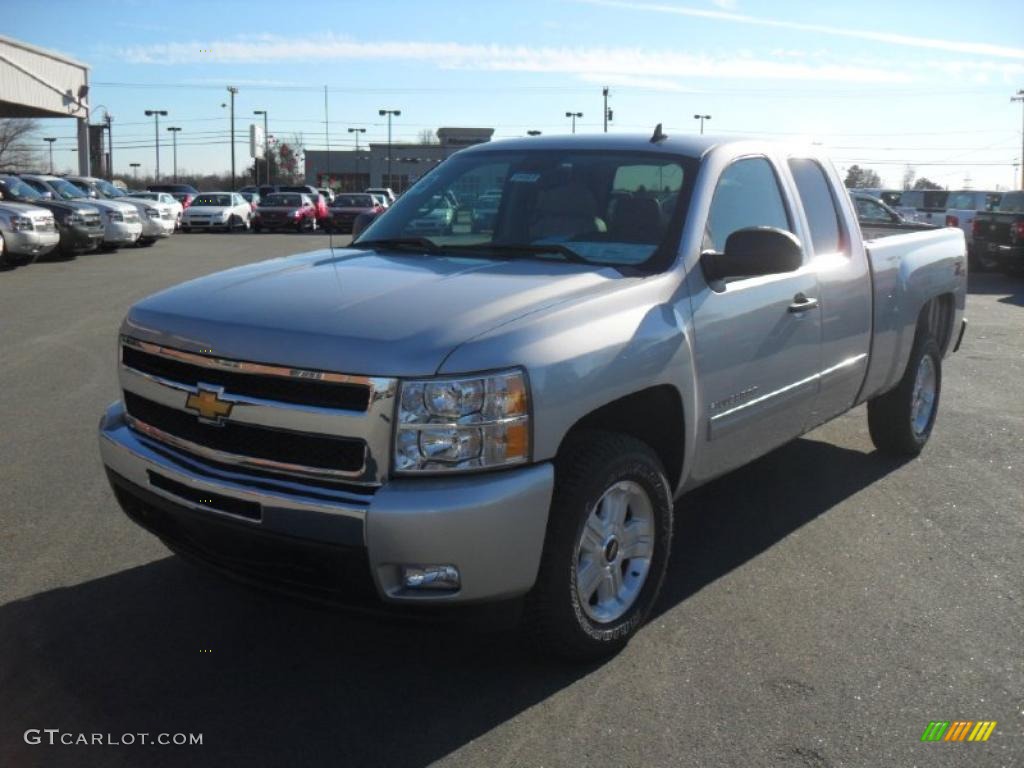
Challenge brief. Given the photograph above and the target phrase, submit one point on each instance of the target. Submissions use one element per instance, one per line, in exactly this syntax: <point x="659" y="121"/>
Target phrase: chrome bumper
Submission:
<point x="31" y="242"/>
<point x="490" y="526"/>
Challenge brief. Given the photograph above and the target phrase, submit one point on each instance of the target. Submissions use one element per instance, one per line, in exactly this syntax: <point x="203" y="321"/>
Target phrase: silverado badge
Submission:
<point x="209" y="406"/>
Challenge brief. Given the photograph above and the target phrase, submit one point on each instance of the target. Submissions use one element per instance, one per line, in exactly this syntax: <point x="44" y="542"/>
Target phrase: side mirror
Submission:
<point x="753" y="252"/>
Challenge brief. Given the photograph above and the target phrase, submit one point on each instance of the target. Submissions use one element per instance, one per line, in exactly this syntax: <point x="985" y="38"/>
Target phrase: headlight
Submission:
<point x="153" y="213"/>
<point x="75" y="219"/>
<point x="21" y="224"/>
<point x="115" y="216"/>
<point x="463" y="423"/>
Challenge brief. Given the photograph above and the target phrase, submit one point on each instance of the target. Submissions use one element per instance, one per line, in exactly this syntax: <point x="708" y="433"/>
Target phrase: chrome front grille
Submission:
<point x="44" y="224"/>
<point x="270" y="419"/>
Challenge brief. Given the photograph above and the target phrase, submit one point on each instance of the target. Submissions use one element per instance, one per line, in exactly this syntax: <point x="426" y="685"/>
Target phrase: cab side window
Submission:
<point x="747" y="195"/>
<point x="819" y="205"/>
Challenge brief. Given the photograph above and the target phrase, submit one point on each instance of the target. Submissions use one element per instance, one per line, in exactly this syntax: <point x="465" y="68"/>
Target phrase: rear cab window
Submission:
<point x="819" y="205"/>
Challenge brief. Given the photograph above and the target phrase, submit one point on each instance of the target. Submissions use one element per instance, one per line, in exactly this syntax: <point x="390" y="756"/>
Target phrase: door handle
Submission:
<point x="802" y="303"/>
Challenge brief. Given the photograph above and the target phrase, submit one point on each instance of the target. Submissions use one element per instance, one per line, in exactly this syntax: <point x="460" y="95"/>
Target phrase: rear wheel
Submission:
<point x="606" y="549"/>
<point x="901" y="420"/>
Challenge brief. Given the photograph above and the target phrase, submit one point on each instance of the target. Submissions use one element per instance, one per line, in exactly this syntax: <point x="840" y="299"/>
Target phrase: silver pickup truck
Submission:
<point x="511" y="412"/>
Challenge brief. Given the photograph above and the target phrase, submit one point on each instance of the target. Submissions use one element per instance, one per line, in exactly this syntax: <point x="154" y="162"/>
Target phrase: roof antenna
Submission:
<point x="327" y="140"/>
<point x="658" y="134"/>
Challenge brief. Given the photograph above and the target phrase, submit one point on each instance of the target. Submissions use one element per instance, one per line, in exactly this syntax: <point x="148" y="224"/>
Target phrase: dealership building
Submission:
<point x="354" y="171"/>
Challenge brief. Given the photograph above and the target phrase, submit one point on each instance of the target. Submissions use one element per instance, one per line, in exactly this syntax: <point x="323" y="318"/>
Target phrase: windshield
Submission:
<point x="222" y="201"/>
<point x="596" y="206"/>
<point x="291" y="201"/>
<point x="107" y="189"/>
<point x="20" y="188"/>
<point x="1012" y="203"/>
<point x="66" y="190"/>
<point x="353" y="201"/>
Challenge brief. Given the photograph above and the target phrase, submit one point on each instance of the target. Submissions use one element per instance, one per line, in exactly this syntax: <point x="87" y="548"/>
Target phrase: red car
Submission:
<point x="347" y="207"/>
<point x="319" y="201"/>
<point x="285" y="210"/>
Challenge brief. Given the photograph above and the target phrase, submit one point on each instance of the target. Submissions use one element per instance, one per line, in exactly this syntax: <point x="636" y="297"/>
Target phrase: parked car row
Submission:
<point x="42" y="215"/>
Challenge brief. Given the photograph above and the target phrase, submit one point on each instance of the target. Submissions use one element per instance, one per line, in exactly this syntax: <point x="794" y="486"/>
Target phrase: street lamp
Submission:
<point x="232" y="90"/>
<point x="49" y="140"/>
<point x="390" y="113"/>
<point x="574" y="115"/>
<point x="1020" y="97"/>
<point x="357" y="131"/>
<point x="174" y="142"/>
<point x="135" y="168"/>
<point x="533" y="133"/>
<point x="266" y="144"/>
<point x="155" y="114"/>
<point x="702" y="118"/>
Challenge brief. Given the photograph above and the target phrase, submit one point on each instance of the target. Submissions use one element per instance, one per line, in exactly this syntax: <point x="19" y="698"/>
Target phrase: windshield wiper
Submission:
<point x="399" y="243"/>
<point x="525" y="249"/>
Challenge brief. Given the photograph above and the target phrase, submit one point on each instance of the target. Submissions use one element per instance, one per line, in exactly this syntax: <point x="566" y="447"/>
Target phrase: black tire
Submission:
<point x="890" y="415"/>
<point x="554" y="619"/>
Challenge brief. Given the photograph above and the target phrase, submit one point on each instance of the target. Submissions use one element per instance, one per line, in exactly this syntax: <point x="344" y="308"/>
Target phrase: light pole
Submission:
<point x="607" y="112"/>
<point x="232" y="90"/>
<point x="390" y="113"/>
<point x="155" y="114"/>
<point x="702" y="118"/>
<point x="135" y="168"/>
<point x="357" y="131"/>
<point x="174" y="142"/>
<point x="574" y="115"/>
<point x="49" y="140"/>
<point x="1020" y="97"/>
<point x="266" y="145"/>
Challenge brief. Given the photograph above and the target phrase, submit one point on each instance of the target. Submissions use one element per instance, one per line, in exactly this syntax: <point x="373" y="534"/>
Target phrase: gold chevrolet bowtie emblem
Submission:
<point x="208" y="405"/>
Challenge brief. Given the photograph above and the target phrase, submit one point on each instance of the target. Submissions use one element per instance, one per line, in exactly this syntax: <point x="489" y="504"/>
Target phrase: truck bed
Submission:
<point x="907" y="268"/>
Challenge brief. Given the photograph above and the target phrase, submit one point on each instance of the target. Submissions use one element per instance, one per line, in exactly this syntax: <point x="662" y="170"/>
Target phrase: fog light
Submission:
<point x="431" y="577"/>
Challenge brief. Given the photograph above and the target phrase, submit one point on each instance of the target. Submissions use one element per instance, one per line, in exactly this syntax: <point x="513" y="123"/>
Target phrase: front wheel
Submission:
<point x="901" y="420"/>
<point x="606" y="549"/>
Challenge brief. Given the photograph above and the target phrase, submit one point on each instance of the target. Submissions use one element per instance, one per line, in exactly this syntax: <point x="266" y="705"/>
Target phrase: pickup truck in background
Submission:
<point x="962" y="205"/>
<point x="442" y="422"/>
<point x="999" y="235"/>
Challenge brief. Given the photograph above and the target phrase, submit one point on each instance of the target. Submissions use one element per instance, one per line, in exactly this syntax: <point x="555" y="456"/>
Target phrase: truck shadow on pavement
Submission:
<point x="165" y="647"/>
<point x="1010" y="287"/>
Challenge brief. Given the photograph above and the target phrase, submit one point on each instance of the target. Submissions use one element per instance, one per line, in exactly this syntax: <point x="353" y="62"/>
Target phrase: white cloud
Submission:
<point x="894" y="38"/>
<point x="657" y="67"/>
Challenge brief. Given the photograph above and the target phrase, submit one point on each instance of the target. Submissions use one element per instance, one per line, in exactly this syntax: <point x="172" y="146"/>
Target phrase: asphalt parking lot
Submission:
<point x="822" y="605"/>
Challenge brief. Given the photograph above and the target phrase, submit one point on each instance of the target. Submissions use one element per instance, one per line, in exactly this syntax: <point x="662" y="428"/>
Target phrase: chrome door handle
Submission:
<point x="802" y="303"/>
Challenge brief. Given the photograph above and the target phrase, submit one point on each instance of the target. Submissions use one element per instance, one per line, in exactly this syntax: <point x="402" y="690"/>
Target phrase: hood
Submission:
<point x="25" y="209"/>
<point x="146" y="202"/>
<point x="355" y="311"/>
<point x="109" y="205"/>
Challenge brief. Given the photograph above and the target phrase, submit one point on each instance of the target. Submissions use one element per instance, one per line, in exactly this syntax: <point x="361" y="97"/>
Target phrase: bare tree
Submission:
<point x="427" y="136"/>
<point x="909" y="174"/>
<point x="17" y="150"/>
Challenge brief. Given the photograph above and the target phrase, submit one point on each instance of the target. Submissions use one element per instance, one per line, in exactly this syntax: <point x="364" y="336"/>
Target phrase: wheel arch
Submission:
<point x="654" y="415"/>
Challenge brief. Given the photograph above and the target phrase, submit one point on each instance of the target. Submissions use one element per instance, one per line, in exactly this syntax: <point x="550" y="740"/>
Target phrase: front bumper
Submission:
<point x="157" y="228"/>
<point x="31" y="242"/>
<point x="489" y="526"/>
<point x="121" y="232"/>
<point x="76" y="239"/>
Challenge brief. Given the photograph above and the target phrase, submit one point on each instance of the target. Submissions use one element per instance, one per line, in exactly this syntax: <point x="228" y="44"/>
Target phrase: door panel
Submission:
<point x="757" y="350"/>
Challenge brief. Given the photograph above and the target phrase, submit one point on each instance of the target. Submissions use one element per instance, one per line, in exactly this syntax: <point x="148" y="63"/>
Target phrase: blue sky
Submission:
<point x="878" y="83"/>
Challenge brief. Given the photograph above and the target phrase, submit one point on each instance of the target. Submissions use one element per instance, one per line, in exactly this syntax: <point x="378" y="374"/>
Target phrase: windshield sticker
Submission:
<point x="524" y="178"/>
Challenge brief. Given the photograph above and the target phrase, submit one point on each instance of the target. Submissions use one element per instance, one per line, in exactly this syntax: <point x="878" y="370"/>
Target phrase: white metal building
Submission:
<point x="35" y="82"/>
